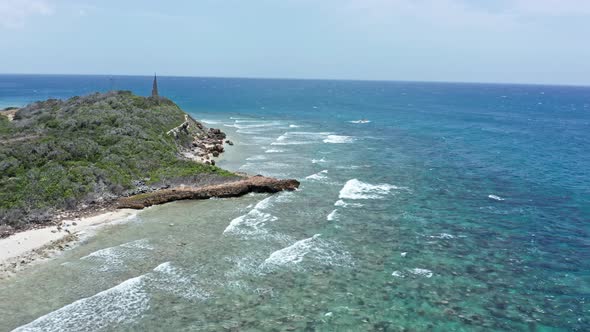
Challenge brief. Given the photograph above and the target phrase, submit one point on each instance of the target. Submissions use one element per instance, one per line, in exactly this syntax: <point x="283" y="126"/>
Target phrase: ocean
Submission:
<point x="453" y="207"/>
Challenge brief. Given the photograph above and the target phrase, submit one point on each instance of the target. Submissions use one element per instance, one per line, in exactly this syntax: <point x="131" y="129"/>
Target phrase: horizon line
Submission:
<point x="315" y="79"/>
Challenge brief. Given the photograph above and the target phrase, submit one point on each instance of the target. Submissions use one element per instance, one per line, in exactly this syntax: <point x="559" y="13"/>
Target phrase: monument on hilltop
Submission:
<point x="155" y="87"/>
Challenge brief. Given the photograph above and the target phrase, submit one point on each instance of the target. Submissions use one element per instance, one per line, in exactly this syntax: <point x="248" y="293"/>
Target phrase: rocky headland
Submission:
<point x="67" y="166"/>
<point x="67" y="159"/>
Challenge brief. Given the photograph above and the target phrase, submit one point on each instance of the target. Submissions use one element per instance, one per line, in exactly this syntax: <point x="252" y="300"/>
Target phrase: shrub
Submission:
<point x="87" y="147"/>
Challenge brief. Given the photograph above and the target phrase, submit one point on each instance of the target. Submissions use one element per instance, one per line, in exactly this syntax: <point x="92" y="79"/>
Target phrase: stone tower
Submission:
<point x="155" y="87"/>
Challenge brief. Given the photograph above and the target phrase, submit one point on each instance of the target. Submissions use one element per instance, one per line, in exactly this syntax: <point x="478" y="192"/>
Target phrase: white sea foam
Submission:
<point x="342" y="203"/>
<point x="292" y="143"/>
<point x="283" y="137"/>
<point x="352" y="166"/>
<point x="314" y="248"/>
<point x="332" y="215"/>
<point x="283" y="197"/>
<point x="274" y="151"/>
<point x="300" y="138"/>
<point x="105" y="310"/>
<point x="320" y="176"/>
<point x="211" y="121"/>
<point x="355" y="189"/>
<point x="250" y="132"/>
<point x="496" y="198"/>
<point x="360" y="121"/>
<point x="252" y="223"/>
<point x="398" y="274"/>
<point x="267" y="165"/>
<point x="259" y="124"/>
<point x="243" y="265"/>
<point x="174" y="280"/>
<point x="257" y="157"/>
<point x="263" y="204"/>
<point x="415" y="271"/>
<point x="241" y="120"/>
<point x="421" y="272"/>
<point x="310" y="134"/>
<point x="338" y="139"/>
<point x="292" y="254"/>
<point x="444" y="236"/>
<point x="164" y="268"/>
<point x="115" y="257"/>
<point x="143" y="244"/>
<point x="317" y="161"/>
<point x="294" y="126"/>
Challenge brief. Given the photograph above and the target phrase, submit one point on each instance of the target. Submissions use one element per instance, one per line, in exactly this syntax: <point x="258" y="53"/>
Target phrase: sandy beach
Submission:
<point x="21" y="249"/>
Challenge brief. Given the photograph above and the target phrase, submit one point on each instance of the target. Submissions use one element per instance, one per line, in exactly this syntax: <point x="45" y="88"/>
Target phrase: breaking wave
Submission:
<point x="320" y="176"/>
<point x="338" y="139"/>
<point x="112" y="307"/>
<point x="496" y="198"/>
<point x="257" y="124"/>
<point x="313" y="248"/>
<point x="332" y="215"/>
<point x="252" y="224"/>
<point x="257" y="157"/>
<point x="115" y="257"/>
<point x="444" y="236"/>
<point x="174" y="280"/>
<point x="342" y="203"/>
<point x="355" y="189"/>
<point x="300" y="138"/>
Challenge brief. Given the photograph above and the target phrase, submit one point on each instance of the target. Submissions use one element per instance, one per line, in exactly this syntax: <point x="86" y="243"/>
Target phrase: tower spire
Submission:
<point x="155" y="87"/>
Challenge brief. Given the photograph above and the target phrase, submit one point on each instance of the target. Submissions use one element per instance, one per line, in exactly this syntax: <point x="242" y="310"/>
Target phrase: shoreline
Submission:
<point x="23" y="249"/>
<point x="27" y="247"/>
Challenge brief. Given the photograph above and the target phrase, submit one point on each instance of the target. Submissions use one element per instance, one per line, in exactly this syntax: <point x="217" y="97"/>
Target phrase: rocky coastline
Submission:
<point x="45" y="241"/>
<point x="129" y="152"/>
<point x="63" y="159"/>
<point x="256" y="184"/>
<point x="206" y="143"/>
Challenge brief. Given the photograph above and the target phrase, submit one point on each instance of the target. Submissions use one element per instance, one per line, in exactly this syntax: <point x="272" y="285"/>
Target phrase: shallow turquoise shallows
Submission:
<point x="454" y="207"/>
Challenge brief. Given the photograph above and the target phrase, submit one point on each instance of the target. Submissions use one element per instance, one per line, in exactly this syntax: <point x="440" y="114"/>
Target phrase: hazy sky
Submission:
<point x="534" y="41"/>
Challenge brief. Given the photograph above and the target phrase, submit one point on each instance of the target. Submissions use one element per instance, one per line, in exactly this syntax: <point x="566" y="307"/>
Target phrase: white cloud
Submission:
<point x="14" y="13"/>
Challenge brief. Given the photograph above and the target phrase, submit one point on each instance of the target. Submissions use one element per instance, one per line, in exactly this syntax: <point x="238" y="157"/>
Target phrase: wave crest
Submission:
<point x="355" y="189"/>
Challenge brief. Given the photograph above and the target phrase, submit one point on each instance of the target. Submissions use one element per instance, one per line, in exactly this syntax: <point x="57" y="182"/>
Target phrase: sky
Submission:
<point x="502" y="41"/>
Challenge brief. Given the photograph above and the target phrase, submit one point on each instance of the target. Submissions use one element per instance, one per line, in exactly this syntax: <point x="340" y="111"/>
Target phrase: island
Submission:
<point x="64" y="159"/>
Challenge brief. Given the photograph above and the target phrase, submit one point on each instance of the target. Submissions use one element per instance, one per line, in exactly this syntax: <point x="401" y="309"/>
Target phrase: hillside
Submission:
<point x="90" y="150"/>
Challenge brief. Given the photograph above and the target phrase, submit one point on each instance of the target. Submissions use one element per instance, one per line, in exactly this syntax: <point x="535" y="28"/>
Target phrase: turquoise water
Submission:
<point x="456" y="208"/>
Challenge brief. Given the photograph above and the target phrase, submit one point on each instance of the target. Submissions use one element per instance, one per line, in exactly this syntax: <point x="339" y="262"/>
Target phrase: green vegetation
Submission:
<point x="58" y="154"/>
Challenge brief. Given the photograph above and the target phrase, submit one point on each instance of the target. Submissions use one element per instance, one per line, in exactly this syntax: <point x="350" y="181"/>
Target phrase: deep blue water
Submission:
<point x="472" y="200"/>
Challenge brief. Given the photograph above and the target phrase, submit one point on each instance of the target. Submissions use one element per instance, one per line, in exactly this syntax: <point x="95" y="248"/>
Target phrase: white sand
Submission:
<point x="23" y="243"/>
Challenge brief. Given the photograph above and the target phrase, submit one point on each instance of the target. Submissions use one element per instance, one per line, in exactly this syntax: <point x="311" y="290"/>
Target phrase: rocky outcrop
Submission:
<point x="204" y="143"/>
<point x="9" y="112"/>
<point x="257" y="184"/>
<point x="183" y="128"/>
